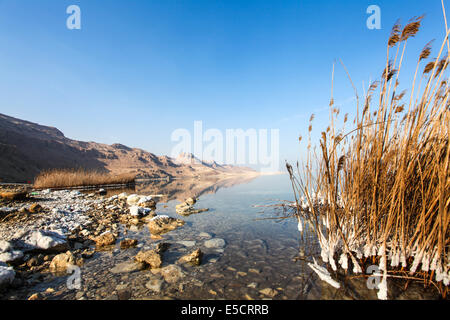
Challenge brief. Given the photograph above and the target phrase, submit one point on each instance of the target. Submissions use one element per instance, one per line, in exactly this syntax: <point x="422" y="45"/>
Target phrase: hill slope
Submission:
<point x="27" y="148"/>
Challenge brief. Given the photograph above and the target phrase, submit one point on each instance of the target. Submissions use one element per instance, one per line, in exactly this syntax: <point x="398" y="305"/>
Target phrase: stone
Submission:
<point x="162" y="224"/>
<point x="105" y="239"/>
<point x="127" y="267"/>
<point x="128" y="243"/>
<point x="150" y="258"/>
<point x="62" y="261"/>
<point x="162" y="247"/>
<point x="35" y="296"/>
<point x="187" y="243"/>
<point x="137" y="211"/>
<point x="252" y="285"/>
<point x="5" y="246"/>
<point x="45" y="240"/>
<point x="35" y="208"/>
<point x="101" y="192"/>
<point x="191" y="201"/>
<point x="155" y="285"/>
<point x="12" y="196"/>
<point x="215" y="243"/>
<point x="172" y="273"/>
<point x="269" y="292"/>
<point x="7" y="275"/>
<point x="122" y="196"/>
<point x="194" y="258"/>
<point x="204" y="235"/>
<point x="146" y="202"/>
<point x="133" y="199"/>
<point x="12" y="257"/>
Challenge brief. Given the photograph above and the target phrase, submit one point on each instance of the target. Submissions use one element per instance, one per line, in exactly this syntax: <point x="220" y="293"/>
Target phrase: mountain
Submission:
<point x="27" y="148"/>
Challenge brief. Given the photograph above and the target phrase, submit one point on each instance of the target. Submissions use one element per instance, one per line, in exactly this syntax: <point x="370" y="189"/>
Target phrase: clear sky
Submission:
<point x="138" y="70"/>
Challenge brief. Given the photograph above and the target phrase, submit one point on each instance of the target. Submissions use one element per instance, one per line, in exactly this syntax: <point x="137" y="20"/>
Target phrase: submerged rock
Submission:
<point x="163" y="224"/>
<point x="127" y="267"/>
<point x="216" y="243"/>
<point x="35" y="208"/>
<point x="128" y="243"/>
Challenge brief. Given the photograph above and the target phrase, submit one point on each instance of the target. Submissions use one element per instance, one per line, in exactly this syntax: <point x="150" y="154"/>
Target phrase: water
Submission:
<point x="262" y="258"/>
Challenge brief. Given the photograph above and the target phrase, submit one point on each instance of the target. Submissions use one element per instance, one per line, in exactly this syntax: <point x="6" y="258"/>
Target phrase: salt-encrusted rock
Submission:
<point x="191" y="201"/>
<point x="44" y="240"/>
<point x="162" y="224"/>
<point x="7" y="275"/>
<point x="194" y="258"/>
<point x="5" y="246"/>
<point x="105" y="239"/>
<point x="147" y="202"/>
<point x="215" y="243"/>
<point x="151" y="258"/>
<point x="101" y="192"/>
<point x="12" y="257"/>
<point x="128" y="243"/>
<point x="62" y="261"/>
<point x="133" y="199"/>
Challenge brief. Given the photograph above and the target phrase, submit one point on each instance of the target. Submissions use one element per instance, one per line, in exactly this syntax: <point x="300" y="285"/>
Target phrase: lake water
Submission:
<point x="262" y="258"/>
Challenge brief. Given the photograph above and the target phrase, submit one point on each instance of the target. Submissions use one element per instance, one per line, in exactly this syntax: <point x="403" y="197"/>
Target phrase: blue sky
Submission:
<point x="137" y="70"/>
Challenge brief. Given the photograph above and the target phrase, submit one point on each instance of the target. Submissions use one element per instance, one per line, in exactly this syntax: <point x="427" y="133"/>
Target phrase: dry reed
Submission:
<point x="380" y="194"/>
<point x="66" y="178"/>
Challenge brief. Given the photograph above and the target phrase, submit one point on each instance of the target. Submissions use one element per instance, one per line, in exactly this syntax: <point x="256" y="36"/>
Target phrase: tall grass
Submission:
<point x="65" y="178"/>
<point x="380" y="193"/>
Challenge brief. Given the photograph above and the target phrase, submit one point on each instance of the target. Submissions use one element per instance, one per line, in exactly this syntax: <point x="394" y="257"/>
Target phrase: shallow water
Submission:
<point x="260" y="252"/>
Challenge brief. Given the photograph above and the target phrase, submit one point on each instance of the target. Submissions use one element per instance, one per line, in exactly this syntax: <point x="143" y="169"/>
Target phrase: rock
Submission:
<point x="172" y="273"/>
<point x="187" y="243"/>
<point x="150" y="258"/>
<point x="137" y="211"/>
<point x="62" y="261"/>
<point x="35" y="261"/>
<point x="194" y="258"/>
<point x="133" y="199"/>
<point x="101" y="192"/>
<point x="87" y="254"/>
<point x="12" y="196"/>
<point x="35" y="296"/>
<point x="105" y="239"/>
<point x="215" y="243"/>
<point x="204" y="235"/>
<point x="122" y="196"/>
<point x="191" y="201"/>
<point x="269" y="292"/>
<point x="128" y="243"/>
<point x="5" y="246"/>
<point x="35" y="208"/>
<point x="162" y="247"/>
<point x="252" y="285"/>
<point x="45" y="240"/>
<point x="123" y="292"/>
<point x="162" y="224"/>
<point x="127" y="267"/>
<point x="147" y="202"/>
<point x="155" y="285"/>
<point x="7" y="275"/>
<point x="11" y="257"/>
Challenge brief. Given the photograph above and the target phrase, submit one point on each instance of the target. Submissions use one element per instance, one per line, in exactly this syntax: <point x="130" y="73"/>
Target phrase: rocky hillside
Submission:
<point x="27" y="148"/>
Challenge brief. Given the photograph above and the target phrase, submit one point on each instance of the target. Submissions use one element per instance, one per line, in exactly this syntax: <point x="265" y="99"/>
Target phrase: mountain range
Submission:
<point x="27" y="148"/>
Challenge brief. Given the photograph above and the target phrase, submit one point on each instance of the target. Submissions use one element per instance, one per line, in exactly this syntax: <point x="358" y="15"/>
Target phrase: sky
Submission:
<point x="138" y="70"/>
